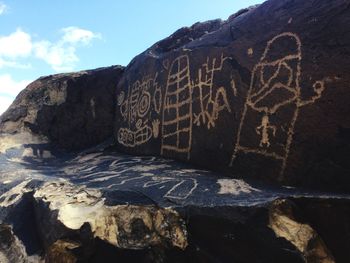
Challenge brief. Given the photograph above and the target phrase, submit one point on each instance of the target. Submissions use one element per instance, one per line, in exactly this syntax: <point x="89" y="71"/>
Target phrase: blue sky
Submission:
<point x="43" y="37"/>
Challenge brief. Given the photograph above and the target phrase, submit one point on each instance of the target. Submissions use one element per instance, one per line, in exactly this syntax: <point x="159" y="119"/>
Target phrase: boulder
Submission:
<point x="73" y="110"/>
<point x="116" y="207"/>
<point x="263" y="95"/>
<point x="231" y="145"/>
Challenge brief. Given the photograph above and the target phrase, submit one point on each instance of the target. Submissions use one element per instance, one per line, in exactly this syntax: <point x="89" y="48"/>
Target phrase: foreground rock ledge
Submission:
<point x="261" y="99"/>
<point x="93" y="205"/>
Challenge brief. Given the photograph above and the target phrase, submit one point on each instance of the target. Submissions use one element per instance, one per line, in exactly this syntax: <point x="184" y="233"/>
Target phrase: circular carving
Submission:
<point x="144" y="104"/>
<point x="138" y="124"/>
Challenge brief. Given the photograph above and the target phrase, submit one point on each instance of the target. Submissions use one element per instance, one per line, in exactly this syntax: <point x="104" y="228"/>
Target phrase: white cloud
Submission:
<point x="18" y="48"/>
<point x="75" y="35"/>
<point x="9" y="88"/>
<point x="5" y="102"/>
<point x="60" y="55"/>
<point x="17" y="44"/>
<point x="3" y="8"/>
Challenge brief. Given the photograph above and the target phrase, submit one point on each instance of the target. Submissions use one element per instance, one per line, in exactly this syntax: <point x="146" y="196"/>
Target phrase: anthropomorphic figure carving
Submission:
<point x="274" y="100"/>
<point x="263" y="130"/>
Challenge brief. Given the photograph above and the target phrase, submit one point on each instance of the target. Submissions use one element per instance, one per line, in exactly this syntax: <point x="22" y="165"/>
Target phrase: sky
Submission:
<point x="41" y="37"/>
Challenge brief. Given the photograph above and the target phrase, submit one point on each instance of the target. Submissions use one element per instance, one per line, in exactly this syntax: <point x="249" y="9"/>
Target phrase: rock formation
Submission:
<point x="262" y="95"/>
<point x="74" y="111"/>
<point x="226" y="142"/>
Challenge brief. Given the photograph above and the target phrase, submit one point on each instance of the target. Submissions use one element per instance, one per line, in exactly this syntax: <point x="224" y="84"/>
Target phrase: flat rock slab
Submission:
<point x="123" y="178"/>
<point x="79" y="206"/>
<point x="257" y="102"/>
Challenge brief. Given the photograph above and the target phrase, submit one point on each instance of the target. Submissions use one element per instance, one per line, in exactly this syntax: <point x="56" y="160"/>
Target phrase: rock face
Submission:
<point x="249" y="118"/>
<point x="262" y="95"/>
<point x="115" y="207"/>
<point x="74" y="111"/>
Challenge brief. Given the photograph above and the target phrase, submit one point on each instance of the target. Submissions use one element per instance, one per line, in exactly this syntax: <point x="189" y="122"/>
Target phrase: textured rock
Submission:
<point x="74" y="110"/>
<point x="262" y="95"/>
<point x="301" y="235"/>
<point x="265" y="91"/>
<point x="104" y="204"/>
<point x="61" y="252"/>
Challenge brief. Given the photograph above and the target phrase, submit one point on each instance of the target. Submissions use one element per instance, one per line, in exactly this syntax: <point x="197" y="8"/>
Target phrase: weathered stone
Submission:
<point x="73" y="110"/>
<point x="11" y="248"/>
<point x="61" y="252"/>
<point x="301" y="235"/>
<point x="112" y="204"/>
<point x="262" y="95"/>
<point x="103" y="205"/>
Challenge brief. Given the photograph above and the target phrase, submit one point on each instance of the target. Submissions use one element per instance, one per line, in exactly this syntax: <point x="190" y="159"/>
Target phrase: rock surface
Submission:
<point x="74" y="111"/>
<point x="263" y="95"/>
<point x="104" y="204"/>
<point x="265" y="91"/>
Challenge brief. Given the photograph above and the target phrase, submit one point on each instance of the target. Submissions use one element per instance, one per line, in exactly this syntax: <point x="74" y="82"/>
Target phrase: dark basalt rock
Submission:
<point x="96" y="205"/>
<point x="263" y="95"/>
<point x="73" y="110"/>
<point x="236" y="110"/>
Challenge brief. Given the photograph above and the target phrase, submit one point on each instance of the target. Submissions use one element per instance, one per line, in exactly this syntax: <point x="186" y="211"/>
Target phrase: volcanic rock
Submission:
<point x="73" y="110"/>
<point x="225" y="142"/>
<point x="263" y="95"/>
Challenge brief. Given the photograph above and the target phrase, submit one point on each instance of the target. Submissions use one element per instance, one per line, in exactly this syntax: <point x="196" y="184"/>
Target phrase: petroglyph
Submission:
<point x="166" y="64"/>
<point x="144" y="104"/>
<point x="175" y="106"/>
<point x="155" y="128"/>
<point x="233" y="87"/>
<point x="181" y="189"/>
<point x="177" y="109"/>
<point x="235" y="187"/>
<point x="263" y="130"/>
<point x="131" y="138"/>
<point x="319" y="87"/>
<point x="210" y="104"/>
<point x="135" y="172"/>
<point x="250" y="52"/>
<point x="274" y="89"/>
<point x="134" y="110"/>
<point x="157" y="96"/>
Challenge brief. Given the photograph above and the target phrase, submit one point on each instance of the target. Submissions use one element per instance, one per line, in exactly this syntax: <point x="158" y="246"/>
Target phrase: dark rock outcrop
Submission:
<point x="98" y="205"/>
<point x="260" y="99"/>
<point x="74" y="110"/>
<point x="263" y="95"/>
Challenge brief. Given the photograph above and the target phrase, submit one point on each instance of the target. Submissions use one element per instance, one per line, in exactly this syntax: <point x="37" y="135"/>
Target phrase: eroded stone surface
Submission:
<point x="74" y="110"/>
<point x="125" y="226"/>
<point x="262" y="95"/>
<point x="301" y="235"/>
<point x="104" y="200"/>
<point x="12" y="249"/>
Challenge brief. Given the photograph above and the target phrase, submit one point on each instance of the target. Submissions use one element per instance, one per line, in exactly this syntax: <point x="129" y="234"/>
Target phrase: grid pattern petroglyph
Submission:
<point x="177" y="123"/>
